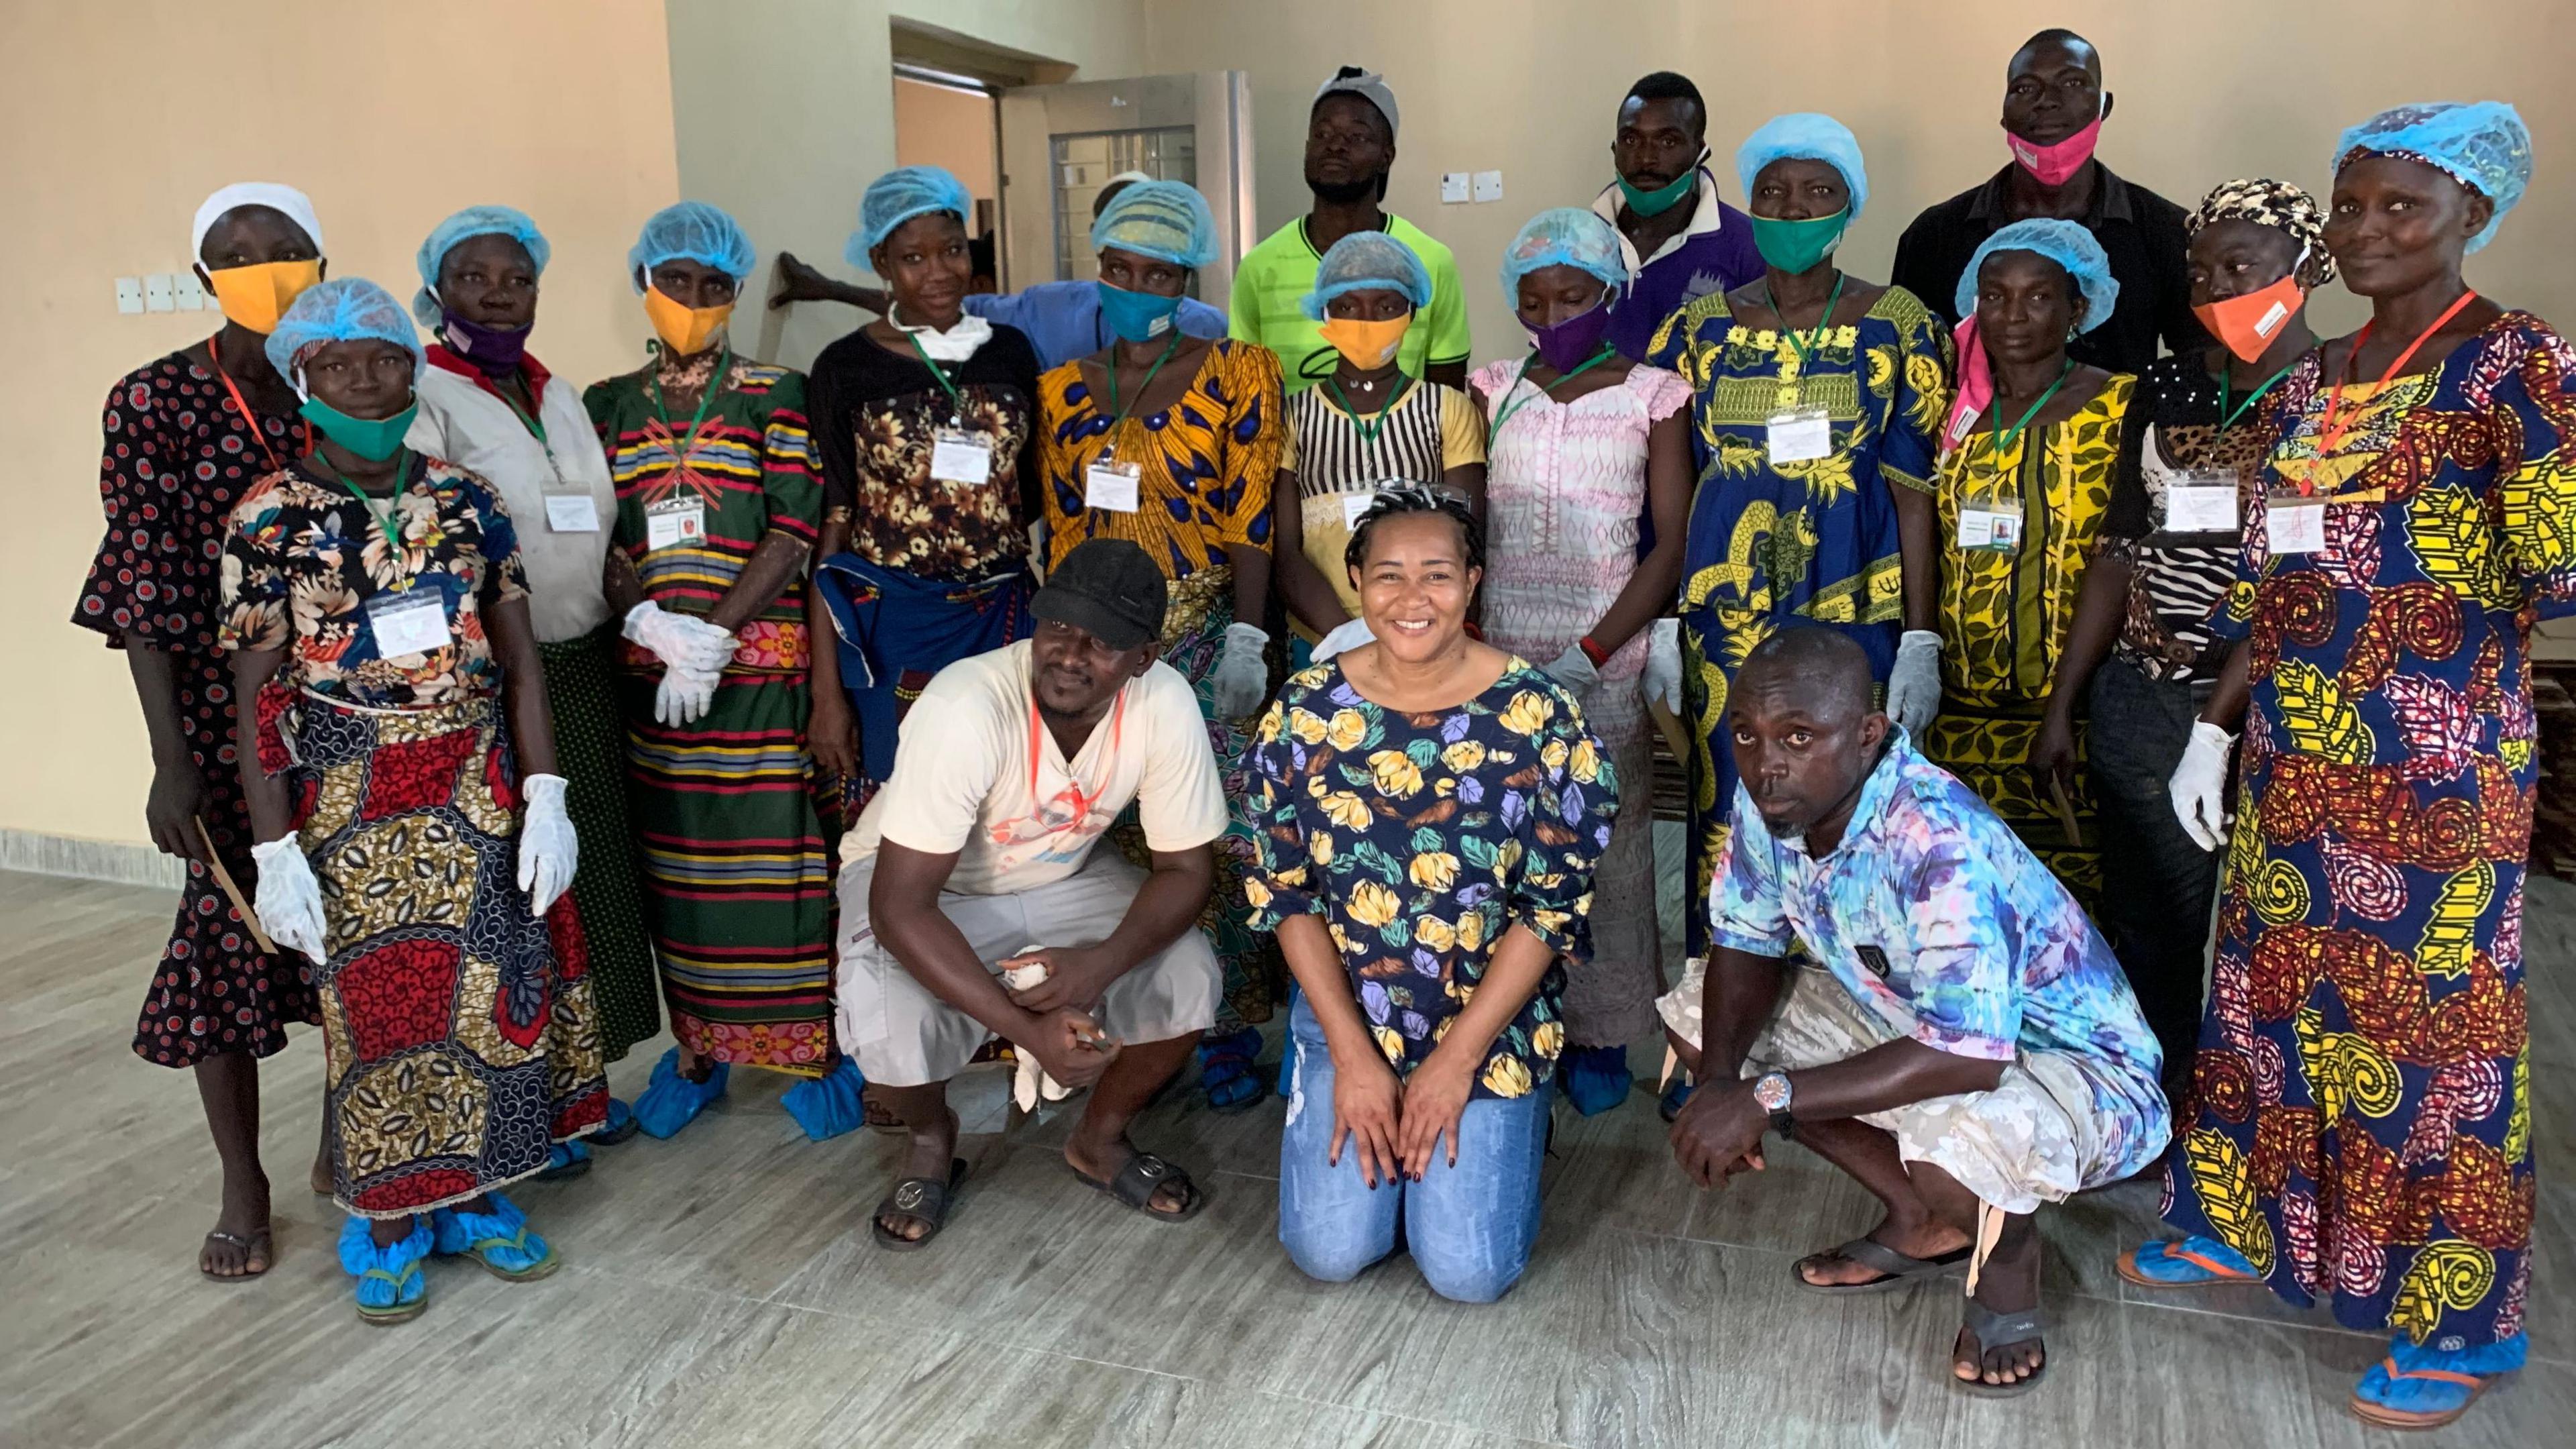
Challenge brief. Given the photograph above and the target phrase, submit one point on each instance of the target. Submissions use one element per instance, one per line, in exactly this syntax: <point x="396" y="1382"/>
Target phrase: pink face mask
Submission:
<point x="2056" y="164"/>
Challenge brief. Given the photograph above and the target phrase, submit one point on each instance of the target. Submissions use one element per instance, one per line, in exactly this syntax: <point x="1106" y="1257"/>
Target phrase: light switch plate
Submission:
<point x="1453" y="187"/>
<point x="1489" y="186"/>
<point x="129" y="296"/>
<point x="190" y="296"/>
<point x="158" y="293"/>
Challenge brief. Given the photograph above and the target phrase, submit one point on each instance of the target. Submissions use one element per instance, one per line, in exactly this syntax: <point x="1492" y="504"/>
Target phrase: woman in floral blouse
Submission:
<point x="1430" y="811"/>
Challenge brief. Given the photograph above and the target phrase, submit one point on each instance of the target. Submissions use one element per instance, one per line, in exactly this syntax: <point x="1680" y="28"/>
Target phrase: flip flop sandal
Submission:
<point x="1895" y="1268"/>
<point x="2389" y="1418"/>
<point x="2127" y="1264"/>
<point x="1136" y="1183"/>
<point x="2001" y="1330"/>
<point x="479" y="1235"/>
<point x="400" y="1312"/>
<point x="258" y="1241"/>
<point x="924" y="1200"/>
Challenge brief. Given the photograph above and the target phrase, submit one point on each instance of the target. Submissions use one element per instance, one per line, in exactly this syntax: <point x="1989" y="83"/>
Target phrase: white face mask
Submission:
<point x="954" y="345"/>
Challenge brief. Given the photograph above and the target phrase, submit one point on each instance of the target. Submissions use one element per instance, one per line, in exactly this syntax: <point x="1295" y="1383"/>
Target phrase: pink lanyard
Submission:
<point x="250" y="419"/>
<point x="1081" y="802"/>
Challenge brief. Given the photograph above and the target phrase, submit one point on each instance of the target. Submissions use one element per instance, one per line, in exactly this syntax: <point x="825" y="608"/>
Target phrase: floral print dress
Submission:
<point x="1421" y="839"/>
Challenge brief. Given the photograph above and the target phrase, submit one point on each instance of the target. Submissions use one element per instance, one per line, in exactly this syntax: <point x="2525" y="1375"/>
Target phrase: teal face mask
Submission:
<point x="1796" y="246"/>
<point x="1663" y="198"/>
<point x="374" y="439"/>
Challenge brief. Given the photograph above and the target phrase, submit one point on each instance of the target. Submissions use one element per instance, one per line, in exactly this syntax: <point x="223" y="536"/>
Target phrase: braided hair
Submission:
<point x="1399" y="499"/>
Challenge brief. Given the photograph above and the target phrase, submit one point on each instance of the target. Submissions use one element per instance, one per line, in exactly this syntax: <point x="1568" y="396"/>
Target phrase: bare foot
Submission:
<point x="2009" y="1283"/>
<point x="1926" y="1240"/>
<point x="930" y="1155"/>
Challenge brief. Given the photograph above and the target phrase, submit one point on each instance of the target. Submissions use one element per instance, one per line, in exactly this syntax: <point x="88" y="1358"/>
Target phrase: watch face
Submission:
<point x="1772" y="1091"/>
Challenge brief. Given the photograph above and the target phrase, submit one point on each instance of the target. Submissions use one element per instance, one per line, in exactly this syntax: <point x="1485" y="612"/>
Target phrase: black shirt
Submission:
<point x="2177" y="583"/>
<point x="2141" y="232"/>
<point x="876" y="417"/>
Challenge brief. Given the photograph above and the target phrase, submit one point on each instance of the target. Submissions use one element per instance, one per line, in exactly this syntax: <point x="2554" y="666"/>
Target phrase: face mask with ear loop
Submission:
<point x="685" y="330"/>
<point x="374" y="439"/>
<point x="256" y="296"/>
<point x="2246" y="325"/>
<point x="1667" y="196"/>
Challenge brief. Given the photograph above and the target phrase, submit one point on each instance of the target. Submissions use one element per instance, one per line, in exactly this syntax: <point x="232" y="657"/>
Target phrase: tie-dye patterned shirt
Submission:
<point x="1936" y="917"/>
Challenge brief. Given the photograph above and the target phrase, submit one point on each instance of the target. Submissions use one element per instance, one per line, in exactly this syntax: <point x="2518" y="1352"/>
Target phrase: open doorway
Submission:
<point x="949" y="120"/>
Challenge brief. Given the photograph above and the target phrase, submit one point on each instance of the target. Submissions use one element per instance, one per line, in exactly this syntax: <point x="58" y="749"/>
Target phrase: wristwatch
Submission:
<point x="1772" y="1090"/>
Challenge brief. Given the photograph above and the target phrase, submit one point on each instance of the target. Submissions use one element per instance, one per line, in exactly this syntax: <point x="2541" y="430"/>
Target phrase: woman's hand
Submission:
<point x="2052" y="755"/>
<point x="170" y="812"/>
<point x="1368" y="1109"/>
<point x="832" y="734"/>
<point x="1435" y="1096"/>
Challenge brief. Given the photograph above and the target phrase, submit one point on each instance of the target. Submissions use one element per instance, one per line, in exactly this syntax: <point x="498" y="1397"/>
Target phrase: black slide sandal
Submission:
<point x="1136" y="1183"/>
<point x="1896" y="1268"/>
<point x="924" y="1200"/>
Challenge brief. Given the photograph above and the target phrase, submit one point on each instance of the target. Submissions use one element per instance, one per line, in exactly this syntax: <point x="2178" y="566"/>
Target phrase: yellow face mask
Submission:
<point x="683" y="329"/>
<point x="1364" y="343"/>
<point x="256" y="296"/>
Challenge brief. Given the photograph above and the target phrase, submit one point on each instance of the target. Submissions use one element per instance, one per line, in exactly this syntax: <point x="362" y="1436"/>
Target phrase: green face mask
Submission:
<point x="1796" y="246"/>
<point x="1663" y="198"/>
<point x="374" y="439"/>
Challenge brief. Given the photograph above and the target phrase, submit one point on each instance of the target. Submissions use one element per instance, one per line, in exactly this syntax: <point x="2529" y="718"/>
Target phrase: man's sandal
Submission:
<point x="1895" y="1268"/>
<point x="2186" y="1266"/>
<point x="255" y="1244"/>
<point x="1136" y="1183"/>
<point x="2000" y="1330"/>
<point x="925" y="1200"/>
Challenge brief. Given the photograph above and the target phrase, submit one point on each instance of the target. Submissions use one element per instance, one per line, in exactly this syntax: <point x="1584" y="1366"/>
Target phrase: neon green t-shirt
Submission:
<point x="1270" y="289"/>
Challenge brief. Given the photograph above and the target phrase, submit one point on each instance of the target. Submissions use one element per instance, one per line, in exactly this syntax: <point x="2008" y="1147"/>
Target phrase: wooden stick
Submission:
<point x="232" y="892"/>
<point x="2065" y="812"/>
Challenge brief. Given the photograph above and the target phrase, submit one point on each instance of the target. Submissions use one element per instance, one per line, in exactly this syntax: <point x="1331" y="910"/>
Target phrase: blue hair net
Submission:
<point x="2062" y="242"/>
<point x="339" y="310"/>
<point x="1368" y="261"/>
<point x="897" y="197"/>
<point x="1563" y="236"/>
<point x="1166" y="220"/>
<point x="2482" y="145"/>
<point x="1807" y="136"/>
<point x="697" y="232"/>
<point x="472" y="222"/>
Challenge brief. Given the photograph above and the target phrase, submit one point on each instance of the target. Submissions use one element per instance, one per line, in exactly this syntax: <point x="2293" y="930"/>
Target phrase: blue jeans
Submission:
<point x="1469" y="1227"/>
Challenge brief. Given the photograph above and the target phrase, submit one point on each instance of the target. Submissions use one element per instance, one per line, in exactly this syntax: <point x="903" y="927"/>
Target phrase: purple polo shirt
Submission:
<point x="1715" y="253"/>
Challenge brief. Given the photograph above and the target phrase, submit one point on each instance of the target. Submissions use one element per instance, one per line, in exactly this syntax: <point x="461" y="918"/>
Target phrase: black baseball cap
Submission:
<point x="1109" y="588"/>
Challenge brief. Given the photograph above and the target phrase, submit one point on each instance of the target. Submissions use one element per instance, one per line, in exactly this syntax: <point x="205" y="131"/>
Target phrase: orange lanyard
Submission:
<point x="2330" y="432"/>
<point x="1081" y="802"/>
<point x="250" y="419"/>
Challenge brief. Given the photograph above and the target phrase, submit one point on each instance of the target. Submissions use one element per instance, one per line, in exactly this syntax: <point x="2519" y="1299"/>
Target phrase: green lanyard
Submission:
<point x="1515" y="399"/>
<point x="956" y="404"/>
<point x="2004" y="439"/>
<point x="1119" y="413"/>
<point x="1375" y="423"/>
<point x="530" y="421"/>
<point x="706" y="397"/>
<point x="2228" y="415"/>
<point x="384" y="521"/>
<point x="1823" y="324"/>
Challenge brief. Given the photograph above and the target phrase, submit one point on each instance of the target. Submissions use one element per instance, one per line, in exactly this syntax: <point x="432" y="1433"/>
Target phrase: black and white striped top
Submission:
<point x="2176" y="587"/>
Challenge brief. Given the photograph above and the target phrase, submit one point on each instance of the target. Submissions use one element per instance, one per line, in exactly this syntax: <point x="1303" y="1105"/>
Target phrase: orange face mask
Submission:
<point x="1364" y="343"/>
<point x="256" y="296"/>
<point x="683" y="329"/>
<point x="2246" y="325"/>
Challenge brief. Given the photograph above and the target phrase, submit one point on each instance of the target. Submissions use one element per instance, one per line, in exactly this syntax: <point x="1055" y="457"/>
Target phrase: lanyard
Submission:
<point x="1141" y="388"/>
<point x="1515" y="399"/>
<point x="956" y="404"/>
<point x="706" y="397"/>
<point x="657" y="431"/>
<point x="2228" y="415"/>
<point x="1822" y="323"/>
<point x="250" y="419"/>
<point x="1375" y="423"/>
<point x="2005" y="438"/>
<point x="533" y="425"/>
<point x="2330" y="432"/>
<point x="384" y="521"/>
<point x="1082" y="802"/>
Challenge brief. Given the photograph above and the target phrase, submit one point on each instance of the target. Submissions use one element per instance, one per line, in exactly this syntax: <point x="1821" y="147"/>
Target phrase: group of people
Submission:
<point x="494" y="721"/>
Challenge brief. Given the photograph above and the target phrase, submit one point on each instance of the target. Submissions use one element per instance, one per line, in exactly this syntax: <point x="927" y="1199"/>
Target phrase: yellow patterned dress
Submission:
<point x="2005" y="615"/>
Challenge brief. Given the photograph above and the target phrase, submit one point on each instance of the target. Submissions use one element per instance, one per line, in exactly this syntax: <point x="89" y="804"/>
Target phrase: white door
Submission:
<point x="1061" y="143"/>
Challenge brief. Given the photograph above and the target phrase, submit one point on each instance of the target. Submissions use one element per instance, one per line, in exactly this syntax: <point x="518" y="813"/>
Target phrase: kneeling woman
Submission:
<point x="377" y="613"/>
<point x="1430" y="811"/>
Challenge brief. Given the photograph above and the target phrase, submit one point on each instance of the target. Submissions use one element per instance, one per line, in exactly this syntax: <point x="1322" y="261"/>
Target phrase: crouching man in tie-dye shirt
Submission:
<point x="1952" y="1031"/>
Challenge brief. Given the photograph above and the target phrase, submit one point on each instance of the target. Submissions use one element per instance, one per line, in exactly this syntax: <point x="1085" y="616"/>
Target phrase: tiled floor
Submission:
<point x="721" y="1289"/>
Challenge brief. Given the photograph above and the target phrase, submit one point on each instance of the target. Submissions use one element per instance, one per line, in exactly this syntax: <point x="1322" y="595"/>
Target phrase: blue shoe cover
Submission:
<point x="390" y="1283"/>
<point x="1226" y="1072"/>
<point x="2163" y="1262"/>
<point x="828" y="1105"/>
<point x="501" y="1238"/>
<point x="2436" y="1396"/>
<point x="619" y="1126"/>
<point x="1595" y="1079"/>
<point x="1675" y="1097"/>
<point x="671" y="1101"/>
<point x="566" y="1159"/>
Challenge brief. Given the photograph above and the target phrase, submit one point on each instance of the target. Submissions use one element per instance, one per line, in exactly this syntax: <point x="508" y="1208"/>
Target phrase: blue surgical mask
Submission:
<point x="1136" y="316"/>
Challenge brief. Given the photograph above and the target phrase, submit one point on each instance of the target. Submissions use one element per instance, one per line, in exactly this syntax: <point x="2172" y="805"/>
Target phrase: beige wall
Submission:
<point x="120" y="120"/>
<point x="936" y="126"/>
<point x="2207" y="90"/>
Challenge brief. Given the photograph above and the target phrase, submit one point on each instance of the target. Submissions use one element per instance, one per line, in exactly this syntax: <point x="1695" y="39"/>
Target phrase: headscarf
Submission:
<point x="2483" y="145"/>
<point x="897" y="197"/>
<point x="464" y="226"/>
<point x="697" y="232"/>
<point x="2063" y="242"/>
<point x="339" y="310"/>
<point x="1564" y="236"/>
<point x="2276" y="204"/>
<point x="294" y="204"/>
<point x="1809" y="136"/>
<point x="1165" y="220"/>
<point x="1368" y="261"/>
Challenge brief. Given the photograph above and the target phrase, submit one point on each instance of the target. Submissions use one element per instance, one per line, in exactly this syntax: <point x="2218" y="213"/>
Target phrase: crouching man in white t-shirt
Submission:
<point x="977" y="857"/>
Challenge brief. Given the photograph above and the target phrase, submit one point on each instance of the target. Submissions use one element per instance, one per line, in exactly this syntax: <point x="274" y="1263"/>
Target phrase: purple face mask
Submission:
<point x="494" y="351"/>
<point x="1571" y="343"/>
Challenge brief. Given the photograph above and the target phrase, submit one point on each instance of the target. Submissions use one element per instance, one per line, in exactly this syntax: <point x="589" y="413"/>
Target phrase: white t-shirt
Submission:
<point x="466" y="425"/>
<point x="976" y="772"/>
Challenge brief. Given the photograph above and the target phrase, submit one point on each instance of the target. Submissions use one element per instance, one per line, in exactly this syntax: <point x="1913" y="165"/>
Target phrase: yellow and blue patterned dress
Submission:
<point x="1814" y="540"/>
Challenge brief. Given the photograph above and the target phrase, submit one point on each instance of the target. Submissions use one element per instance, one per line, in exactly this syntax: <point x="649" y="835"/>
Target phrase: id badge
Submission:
<point x="1111" y="485"/>
<point x="675" y="523"/>
<point x="411" y="621"/>
<point x="572" y="513"/>
<point x="960" y="458"/>
<point x="2201" y="500"/>
<point x="1989" y="530"/>
<point x="1355" y="506"/>
<point x="2294" y="523"/>
<point x="1800" y="435"/>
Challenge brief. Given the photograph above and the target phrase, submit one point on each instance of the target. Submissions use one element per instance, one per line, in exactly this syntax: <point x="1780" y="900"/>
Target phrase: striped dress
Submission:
<point x="724" y="817"/>
<point x="1426" y="432"/>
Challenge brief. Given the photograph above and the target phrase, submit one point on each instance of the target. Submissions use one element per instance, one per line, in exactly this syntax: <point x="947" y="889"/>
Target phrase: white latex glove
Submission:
<point x="1664" y="664"/>
<point x="685" y="695"/>
<point x="681" y="641"/>
<point x="1914" y="683"/>
<point x="1029" y="1081"/>
<point x="549" y="852"/>
<point x="1345" y="637"/>
<point x="1241" y="676"/>
<point x="290" y="899"/>
<point x="1574" y="669"/>
<point x="2198" y="786"/>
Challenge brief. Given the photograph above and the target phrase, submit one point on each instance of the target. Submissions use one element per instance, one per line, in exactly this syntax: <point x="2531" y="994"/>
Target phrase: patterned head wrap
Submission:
<point x="2483" y="145"/>
<point x="2266" y="202"/>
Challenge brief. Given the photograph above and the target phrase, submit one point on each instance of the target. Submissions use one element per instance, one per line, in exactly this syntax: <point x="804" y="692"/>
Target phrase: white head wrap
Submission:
<point x="295" y="204"/>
